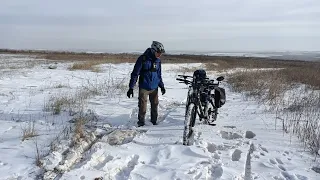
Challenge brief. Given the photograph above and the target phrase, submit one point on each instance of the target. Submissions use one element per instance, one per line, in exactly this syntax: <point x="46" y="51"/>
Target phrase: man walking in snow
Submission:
<point x="148" y="69"/>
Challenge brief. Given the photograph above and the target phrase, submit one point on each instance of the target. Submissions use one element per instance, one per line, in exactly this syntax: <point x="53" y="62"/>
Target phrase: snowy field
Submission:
<point x="114" y="148"/>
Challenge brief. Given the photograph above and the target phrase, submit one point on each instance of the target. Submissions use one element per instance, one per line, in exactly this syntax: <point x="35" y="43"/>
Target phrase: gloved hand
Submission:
<point x="130" y="92"/>
<point x="163" y="90"/>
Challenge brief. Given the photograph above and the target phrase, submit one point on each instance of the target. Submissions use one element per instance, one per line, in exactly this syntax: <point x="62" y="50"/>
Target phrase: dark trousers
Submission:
<point x="143" y="100"/>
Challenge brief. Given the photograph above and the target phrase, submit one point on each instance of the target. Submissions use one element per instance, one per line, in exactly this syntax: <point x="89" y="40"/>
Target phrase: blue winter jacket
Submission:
<point x="148" y="79"/>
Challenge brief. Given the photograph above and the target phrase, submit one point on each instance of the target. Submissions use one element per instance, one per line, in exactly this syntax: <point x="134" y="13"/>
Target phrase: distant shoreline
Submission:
<point x="302" y="56"/>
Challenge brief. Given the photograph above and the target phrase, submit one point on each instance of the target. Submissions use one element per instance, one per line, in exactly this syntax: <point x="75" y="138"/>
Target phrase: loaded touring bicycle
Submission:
<point x="204" y="98"/>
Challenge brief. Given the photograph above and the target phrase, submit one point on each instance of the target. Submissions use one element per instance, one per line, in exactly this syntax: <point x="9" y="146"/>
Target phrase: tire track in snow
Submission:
<point x="95" y="158"/>
<point x="70" y="157"/>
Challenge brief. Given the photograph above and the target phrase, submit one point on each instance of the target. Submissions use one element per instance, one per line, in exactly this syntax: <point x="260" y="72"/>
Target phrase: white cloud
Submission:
<point x="181" y="24"/>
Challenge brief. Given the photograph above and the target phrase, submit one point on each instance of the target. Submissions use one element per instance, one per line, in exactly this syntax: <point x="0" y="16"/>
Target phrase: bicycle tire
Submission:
<point x="189" y="122"/>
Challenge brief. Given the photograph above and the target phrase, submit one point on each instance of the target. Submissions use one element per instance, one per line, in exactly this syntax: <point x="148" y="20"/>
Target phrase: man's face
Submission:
<point x="158" y="54"/>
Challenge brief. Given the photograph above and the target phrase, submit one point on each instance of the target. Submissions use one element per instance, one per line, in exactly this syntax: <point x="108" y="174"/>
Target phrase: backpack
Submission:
<point x="152" y="69"/>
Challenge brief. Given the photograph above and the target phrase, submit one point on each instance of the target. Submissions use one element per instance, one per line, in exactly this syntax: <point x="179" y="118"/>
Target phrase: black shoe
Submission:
<point x="140" y="123"/>
<point x="154" y="122"/>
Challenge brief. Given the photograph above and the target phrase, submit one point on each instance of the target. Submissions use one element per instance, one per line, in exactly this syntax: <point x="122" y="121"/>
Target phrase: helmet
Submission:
<point x="158" y="47"/>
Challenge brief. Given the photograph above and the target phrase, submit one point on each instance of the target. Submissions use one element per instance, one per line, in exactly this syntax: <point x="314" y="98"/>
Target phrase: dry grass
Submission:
<point x="75" y="101"/>
<point x="306" y="74"/>
<point x="38" y="155"/>
<point x="292" y="92"/>
<point x="79" y="132"/>
<point x="288" y="71"/>
<point x="29" y="131"/>
<point x="301" y="116"/>
<point x="87" y="65"/>
<point x="264" y="85"/>
<point x="58" y="103"/>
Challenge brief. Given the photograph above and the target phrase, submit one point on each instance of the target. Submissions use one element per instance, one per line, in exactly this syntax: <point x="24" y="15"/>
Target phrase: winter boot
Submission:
<point x="140" y="123"/>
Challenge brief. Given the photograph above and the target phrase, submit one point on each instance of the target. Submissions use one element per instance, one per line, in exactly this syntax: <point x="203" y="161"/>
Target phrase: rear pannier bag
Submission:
<point x="219" y="97"/>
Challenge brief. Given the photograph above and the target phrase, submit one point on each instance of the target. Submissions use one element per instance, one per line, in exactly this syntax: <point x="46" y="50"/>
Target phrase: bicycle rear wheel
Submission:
<point x="189" y="122"/>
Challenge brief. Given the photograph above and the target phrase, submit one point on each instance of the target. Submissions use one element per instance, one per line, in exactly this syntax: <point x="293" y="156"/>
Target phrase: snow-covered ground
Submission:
<point x="117" y="149"/>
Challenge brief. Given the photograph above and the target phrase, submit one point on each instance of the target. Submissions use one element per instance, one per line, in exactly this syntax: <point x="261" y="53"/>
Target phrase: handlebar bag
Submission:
<point x="199" y="75"/>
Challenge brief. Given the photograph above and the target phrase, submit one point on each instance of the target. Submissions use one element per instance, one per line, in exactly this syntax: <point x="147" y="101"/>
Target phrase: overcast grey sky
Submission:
<point x="181" y="25"/>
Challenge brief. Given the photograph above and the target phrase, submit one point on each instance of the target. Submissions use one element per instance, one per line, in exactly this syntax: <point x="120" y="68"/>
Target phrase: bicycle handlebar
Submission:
<point x="206" y="83"/>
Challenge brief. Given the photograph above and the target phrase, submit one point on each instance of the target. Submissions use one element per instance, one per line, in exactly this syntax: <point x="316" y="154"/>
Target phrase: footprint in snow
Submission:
<point x="279" y="161"/>
<point x="300" y="177"/>
<point x="236" y="155"/>
<point x="272" y="161"/>
<point x="121" y="167"/>
<point x="278" y="178"/>
<point x="286" y="153"/>
<point x="256" y="156"/>
<point x="207" y="170"/>
<point x="287" y="175"/>
<point x="216" y="156"/>
<point x="126" y="170"/>
<point x="104" y="161"/>
<point x="249" y="134"/>
<point x="282" y="168"/>
<point x="229" y="135"/>
<point x="263" y="148"/>
<point x="211" y="147"/>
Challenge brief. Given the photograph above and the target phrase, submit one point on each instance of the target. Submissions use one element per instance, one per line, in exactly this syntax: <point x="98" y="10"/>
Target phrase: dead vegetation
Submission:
<point x="79" y="132"/>
<point x="29" y="131"/>
<point x="87" y="65"/>
<point x="291" y="90"/>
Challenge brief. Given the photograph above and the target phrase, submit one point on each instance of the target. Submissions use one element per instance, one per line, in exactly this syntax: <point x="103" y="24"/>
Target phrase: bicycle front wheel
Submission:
<point x="189" y="122"/>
